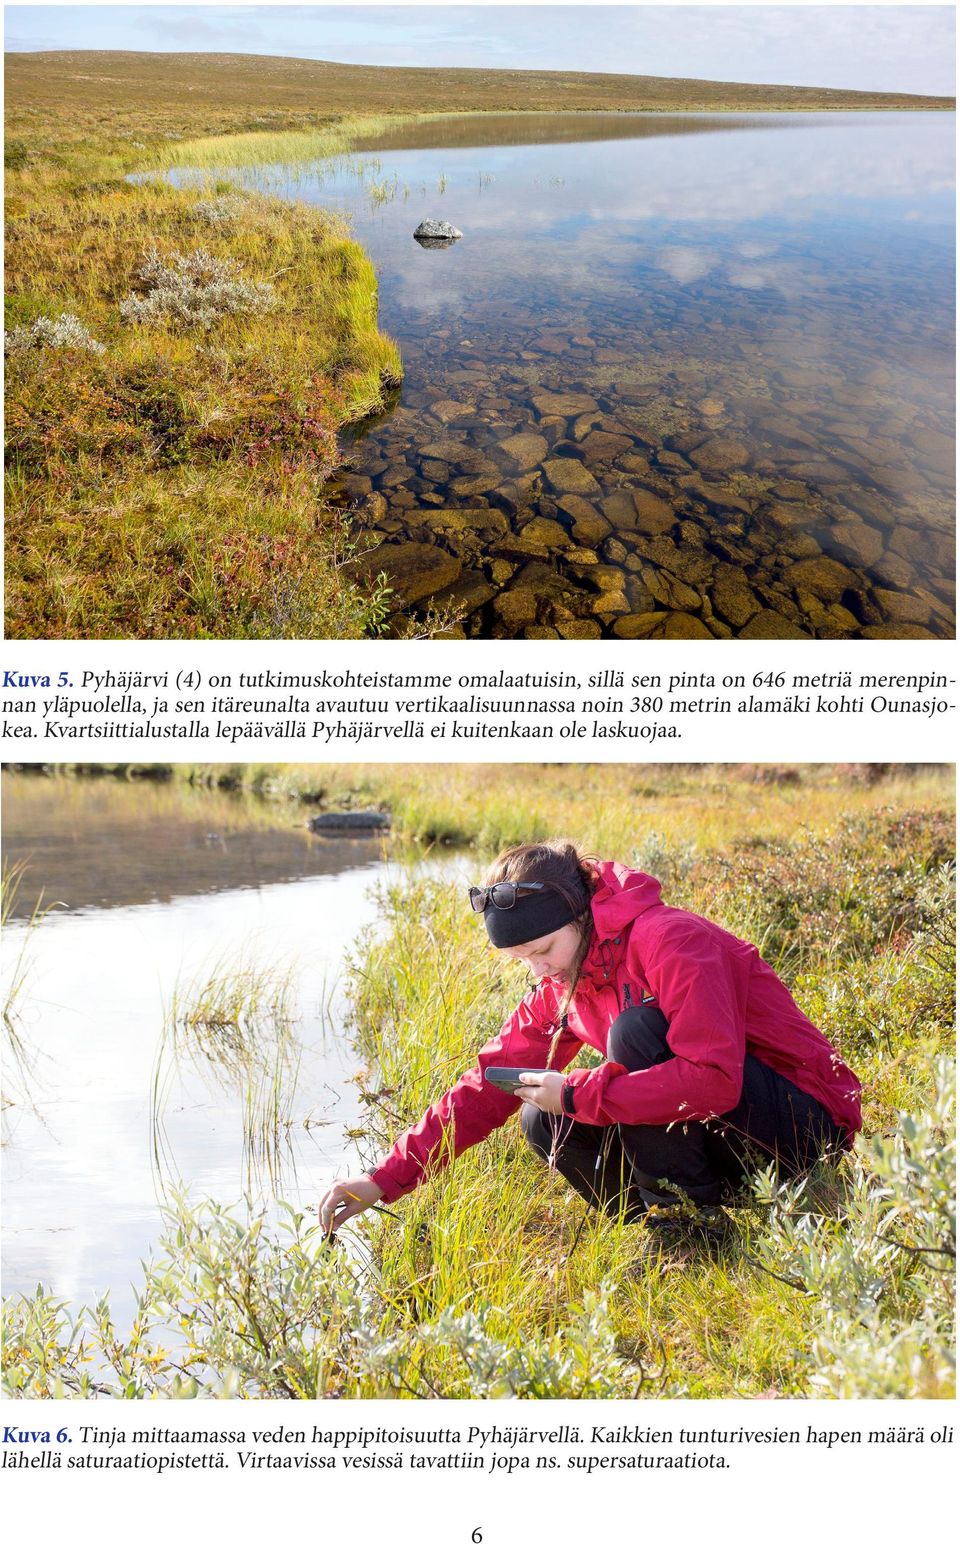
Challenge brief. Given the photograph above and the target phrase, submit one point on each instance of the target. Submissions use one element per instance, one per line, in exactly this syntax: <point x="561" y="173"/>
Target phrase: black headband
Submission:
<point x="536" y="913"/>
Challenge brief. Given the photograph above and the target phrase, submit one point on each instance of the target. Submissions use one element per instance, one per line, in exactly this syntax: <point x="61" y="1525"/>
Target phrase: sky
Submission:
<point x="865" y="47"/>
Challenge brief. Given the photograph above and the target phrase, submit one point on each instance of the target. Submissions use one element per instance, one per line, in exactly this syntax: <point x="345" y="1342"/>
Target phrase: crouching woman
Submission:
<point x="710" y="1069"/>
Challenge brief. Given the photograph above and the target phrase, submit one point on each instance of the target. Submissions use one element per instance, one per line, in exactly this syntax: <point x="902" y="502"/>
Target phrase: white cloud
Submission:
<point x="685" y="263"/>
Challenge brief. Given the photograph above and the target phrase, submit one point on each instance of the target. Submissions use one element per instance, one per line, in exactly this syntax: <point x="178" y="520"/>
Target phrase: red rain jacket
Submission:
<point x="720" y="1000"/>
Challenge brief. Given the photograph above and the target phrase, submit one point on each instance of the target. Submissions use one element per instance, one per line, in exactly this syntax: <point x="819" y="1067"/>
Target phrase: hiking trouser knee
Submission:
<point x="667" y="1161"/>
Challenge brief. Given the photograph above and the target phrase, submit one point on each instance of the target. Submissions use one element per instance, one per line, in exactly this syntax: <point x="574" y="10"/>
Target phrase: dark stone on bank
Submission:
<point x="350" y="820"/>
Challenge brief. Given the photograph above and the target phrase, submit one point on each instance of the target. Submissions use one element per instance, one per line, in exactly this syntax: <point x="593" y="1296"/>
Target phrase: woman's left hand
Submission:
<point x="544" y="1089"/>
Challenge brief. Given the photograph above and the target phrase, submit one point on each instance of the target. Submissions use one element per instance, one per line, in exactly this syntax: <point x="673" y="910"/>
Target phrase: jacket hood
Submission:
<point x="621" y="895"/>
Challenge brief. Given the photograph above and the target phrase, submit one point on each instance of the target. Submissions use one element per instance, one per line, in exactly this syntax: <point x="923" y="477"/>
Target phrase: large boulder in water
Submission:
<point x="436" y="233"/>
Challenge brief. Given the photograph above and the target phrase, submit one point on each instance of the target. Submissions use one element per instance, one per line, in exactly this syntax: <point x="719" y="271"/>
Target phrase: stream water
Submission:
<point x="682" y="376"/>
<point x="154" y="890"/>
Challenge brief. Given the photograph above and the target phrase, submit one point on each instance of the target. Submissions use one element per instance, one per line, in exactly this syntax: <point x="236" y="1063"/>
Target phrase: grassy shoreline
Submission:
<point x="832" y="1289"/>
<point x="167" y="463"/>
<point x="488" y="807"/>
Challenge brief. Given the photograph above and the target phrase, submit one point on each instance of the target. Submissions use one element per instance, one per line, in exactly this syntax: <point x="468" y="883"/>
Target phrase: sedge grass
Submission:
<point x="19" y="1059"/>
<point x="287" y="148"/>
<point x="234" y="1025"/>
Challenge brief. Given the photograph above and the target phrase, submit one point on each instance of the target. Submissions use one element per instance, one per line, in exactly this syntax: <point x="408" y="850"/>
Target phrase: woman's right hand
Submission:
<point x="346" y="1199"/>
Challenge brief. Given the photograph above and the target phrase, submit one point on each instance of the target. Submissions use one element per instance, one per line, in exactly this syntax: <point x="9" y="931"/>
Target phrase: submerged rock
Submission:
<point x="471" y="591"/>
<point x="568" y="476"/>
<point x="654" y="515"/>
<point x="436" y="233"/>
<point x="734" y="600"/>
<point x="770" y="624"/>
<point x="566" y="404"/>
<point x="516" y="608"/>
<point x="449" y="411"/>
<point x="414" y="570"/>
<point x="681" y="625"/>
<point x="456" y="453"/>
<point x="823" y="577"/>
<point x="670" y="591"/>
<point x="525" y="450"/>
<point x="589" y="526"/>
<point x="459" y="521"/>
<point x="902" y="608"/>
<point x="855" y="542"/>
<point x="600" y="445"/>
<point x="722" y="453"/>
<point x="897" y="630"/>
<point x="543" y="532"/>
<point x="579" y="628"/>
<point x="639" y="626"/>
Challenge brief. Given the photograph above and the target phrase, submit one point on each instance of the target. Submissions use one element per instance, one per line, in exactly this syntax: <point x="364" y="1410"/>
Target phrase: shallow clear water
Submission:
<point x="695" y="379"/>
<point x="153" y="888"/>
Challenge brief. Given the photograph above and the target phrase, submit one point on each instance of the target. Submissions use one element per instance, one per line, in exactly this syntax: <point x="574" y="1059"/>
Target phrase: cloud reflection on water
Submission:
<point x="577" y="213"/>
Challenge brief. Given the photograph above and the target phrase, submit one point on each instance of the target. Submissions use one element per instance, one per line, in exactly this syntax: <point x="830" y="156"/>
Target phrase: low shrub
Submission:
<point x="66" y="411"/>
<point x="225" y="209"/>
<point x="880" y="1267"/>
<point x="232" y="1309"/>
<point x="64" y="331"/>
<point x="851" y="890"/>
<point x="196" y="290"/>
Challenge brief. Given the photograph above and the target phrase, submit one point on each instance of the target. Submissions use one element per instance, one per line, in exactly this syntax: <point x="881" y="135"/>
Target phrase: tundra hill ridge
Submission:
<point x="215" y="91"/>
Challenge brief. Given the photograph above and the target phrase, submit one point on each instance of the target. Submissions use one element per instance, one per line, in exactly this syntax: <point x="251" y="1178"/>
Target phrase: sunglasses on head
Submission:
<point x="502" y="896"/>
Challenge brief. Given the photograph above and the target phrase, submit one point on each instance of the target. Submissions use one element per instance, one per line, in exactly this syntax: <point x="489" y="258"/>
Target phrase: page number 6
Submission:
<point x="476" y="1536"/>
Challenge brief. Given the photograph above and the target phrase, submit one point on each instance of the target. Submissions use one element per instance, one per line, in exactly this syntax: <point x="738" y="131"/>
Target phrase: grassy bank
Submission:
<point x="879" y="981"/>
<point x="697" y="808"/>
<point x="841" y="1287"/>
<point x="179" y="363"/>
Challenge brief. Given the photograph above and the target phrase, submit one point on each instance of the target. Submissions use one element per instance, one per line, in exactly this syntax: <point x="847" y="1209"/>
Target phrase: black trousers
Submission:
<point x="633" y="1167"/>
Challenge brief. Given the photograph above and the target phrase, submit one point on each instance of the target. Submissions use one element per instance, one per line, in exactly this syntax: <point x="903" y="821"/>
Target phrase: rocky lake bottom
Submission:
<point x="787" y="507"/>
<point x="692" y="381"/>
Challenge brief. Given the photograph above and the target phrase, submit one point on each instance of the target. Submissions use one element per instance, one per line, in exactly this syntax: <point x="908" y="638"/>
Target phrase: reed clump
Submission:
<point x="235" y="1025"/>
<point x="19" y="1057"/>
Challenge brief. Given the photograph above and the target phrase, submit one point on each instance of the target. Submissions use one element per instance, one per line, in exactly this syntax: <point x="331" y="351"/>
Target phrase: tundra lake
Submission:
<point x="182" y="1013"/>
<point x="682" y="376"/>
